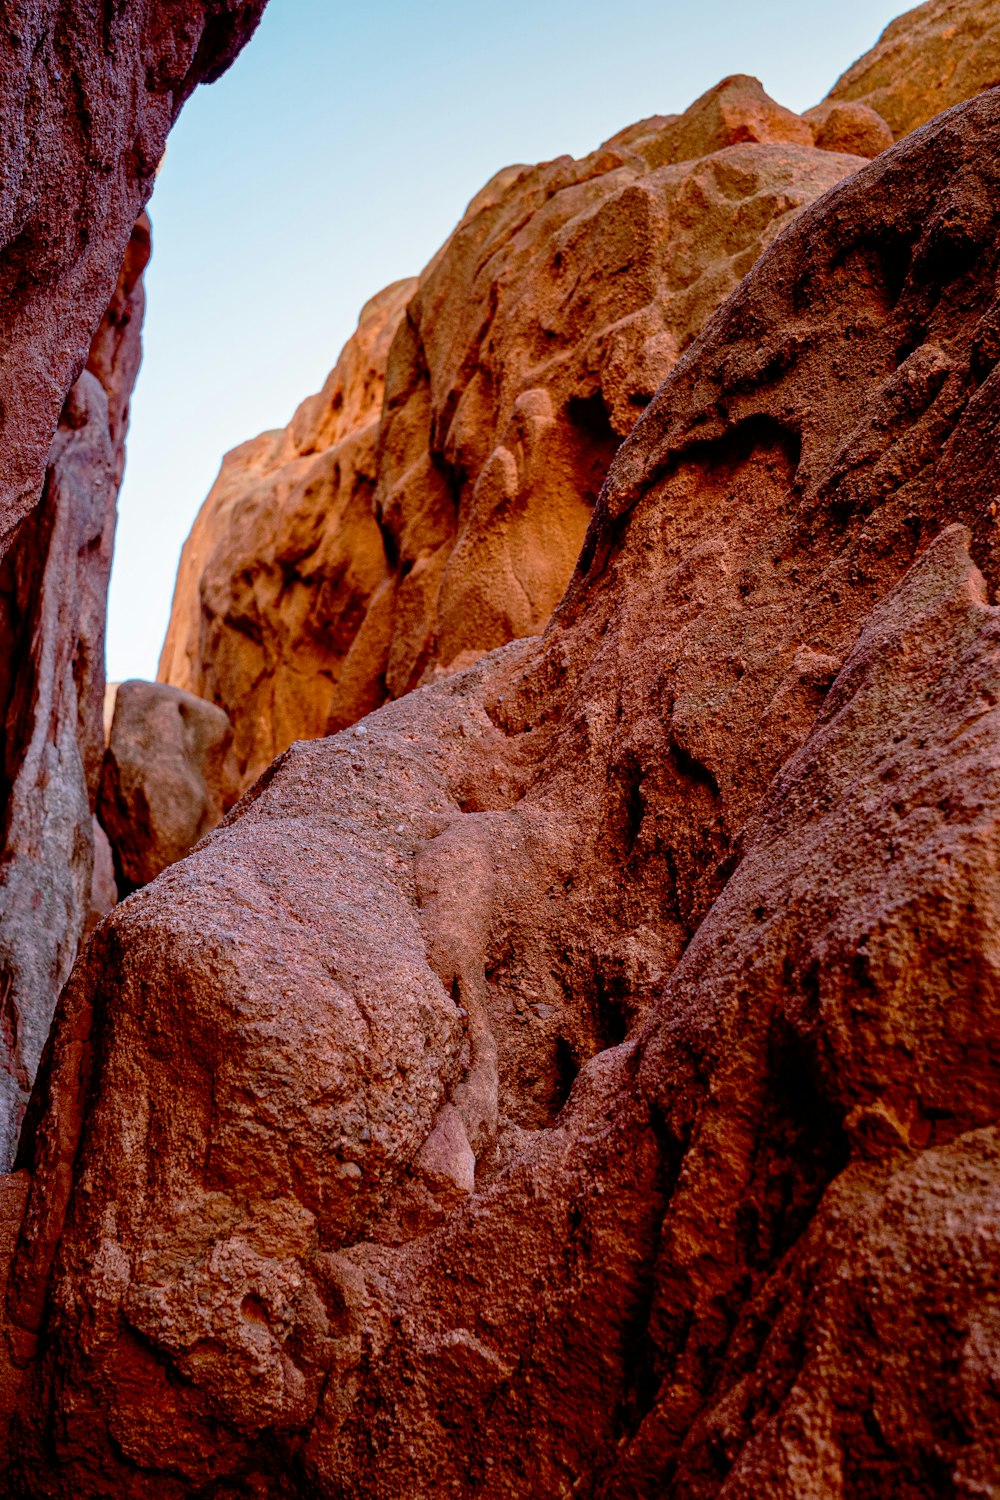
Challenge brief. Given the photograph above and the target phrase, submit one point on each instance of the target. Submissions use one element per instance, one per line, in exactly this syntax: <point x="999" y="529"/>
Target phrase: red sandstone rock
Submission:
<point x="528" y="348"/>
<point x="925" y="61"/>
<point x="284" y="560"/>
<point x="680" y="921"/>
<point x="85" y="105"/>
<point x="168" y="777"/>
<point x="53" y="595"/>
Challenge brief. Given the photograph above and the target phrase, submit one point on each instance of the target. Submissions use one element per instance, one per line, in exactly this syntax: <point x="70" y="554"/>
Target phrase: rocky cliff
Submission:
<point x="926" y="61"/>
<point x="53" y="599"/>
<point x="85" y="104"/>
<point x="371" y="546"/>
<point x="430" y="503"/>
<point x="582" y="1075"/>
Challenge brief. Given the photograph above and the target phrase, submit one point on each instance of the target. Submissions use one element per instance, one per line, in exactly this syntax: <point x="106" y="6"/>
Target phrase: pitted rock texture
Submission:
<point x="284" y="559"/>
<point x="87" y="96"/>
<point x="167" y="779"/>
<point x="518" y="362"/>
<point x="925" y="61"/>
<point x="53" y="598"/>
<point x="599" y="1044"/>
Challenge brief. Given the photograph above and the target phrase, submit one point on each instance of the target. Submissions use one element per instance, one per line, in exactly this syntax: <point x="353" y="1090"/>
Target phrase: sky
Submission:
<point x="336" y="155"/>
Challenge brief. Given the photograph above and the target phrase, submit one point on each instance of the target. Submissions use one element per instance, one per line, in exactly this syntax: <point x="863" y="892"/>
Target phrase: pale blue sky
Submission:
<point x="337" y="155"/>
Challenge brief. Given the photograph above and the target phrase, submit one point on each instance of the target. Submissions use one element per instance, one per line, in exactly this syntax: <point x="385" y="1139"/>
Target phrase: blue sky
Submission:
<point x="335" y="157"/>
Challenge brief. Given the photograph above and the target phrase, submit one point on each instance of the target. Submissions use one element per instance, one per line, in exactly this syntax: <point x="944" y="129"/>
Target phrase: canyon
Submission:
<point x="573" y="1065"/>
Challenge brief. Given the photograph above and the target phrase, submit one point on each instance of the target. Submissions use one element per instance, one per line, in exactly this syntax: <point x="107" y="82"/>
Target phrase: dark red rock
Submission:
<point x="86" y="101"/>
<point x="678" y="925"/>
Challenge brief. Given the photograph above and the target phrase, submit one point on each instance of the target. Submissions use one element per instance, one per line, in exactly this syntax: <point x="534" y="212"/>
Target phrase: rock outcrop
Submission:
<point x="167" y="779"/>
<point x="285" y="558"/>
<point x="375" y="543"/>
<point x="924" y="62"/>
<point x="87" y="97"/>
<point x="53" y="599"/>
<point x="582" y="1075"/>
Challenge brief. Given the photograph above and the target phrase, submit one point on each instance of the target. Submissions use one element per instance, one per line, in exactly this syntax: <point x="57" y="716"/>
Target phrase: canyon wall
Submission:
<point x="53" y="601"/>
<point x="582" y="1075"/>
<point x="369" y="547"/>
<point x="430" y="502"/>
<point x="85" y="104"/>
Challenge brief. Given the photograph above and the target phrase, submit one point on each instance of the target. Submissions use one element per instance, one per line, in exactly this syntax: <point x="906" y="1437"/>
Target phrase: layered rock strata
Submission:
<point x="53" y="600"/>
<point x="599" y="1044"/>
<point x="383" y="538"/>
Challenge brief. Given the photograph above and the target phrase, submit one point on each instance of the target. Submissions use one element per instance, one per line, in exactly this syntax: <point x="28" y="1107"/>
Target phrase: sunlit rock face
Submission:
<point x="581" y="1076"/>
<point x="926" y="61"/>
<point x="430" y="502"/>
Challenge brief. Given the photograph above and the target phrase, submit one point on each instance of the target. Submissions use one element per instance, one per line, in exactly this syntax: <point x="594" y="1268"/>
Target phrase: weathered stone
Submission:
<point x="53" y="599"/>
<point x="85" y="105"/>
<point x="681" y="919"/>
<point x="284" y="559"/>
<point x="925" y="61"/>
<point x="519" y="360"/>
<point x="168" y="778"/>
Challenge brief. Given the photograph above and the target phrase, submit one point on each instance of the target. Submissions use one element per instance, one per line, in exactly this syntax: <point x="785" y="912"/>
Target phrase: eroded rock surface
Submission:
<point x="925" y="61"/>
<point x="518" y="362"/>
<point x="87" y="97"/>
<point x="599" y="1044"/>
<point x="53" y="600"/>
<point x="167" y="779"/>
<point x="284" y="560"/>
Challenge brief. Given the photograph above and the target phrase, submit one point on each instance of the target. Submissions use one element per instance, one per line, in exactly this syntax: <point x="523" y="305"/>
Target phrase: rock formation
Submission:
<point x="85" y="104"/>
<point x="53" y="598"/>
<point x="926" y="61"/>
<point x="581" y="1077"/>
<point x="167" y="778"/>
<point x="87" y="97"/>
<point x="285" y="558"/>
<point x="518" y="362"/>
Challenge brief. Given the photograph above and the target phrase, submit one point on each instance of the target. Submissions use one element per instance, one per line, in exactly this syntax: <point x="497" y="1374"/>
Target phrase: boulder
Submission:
<point x="167" y="778"/>
<point x="581" y="1075"/>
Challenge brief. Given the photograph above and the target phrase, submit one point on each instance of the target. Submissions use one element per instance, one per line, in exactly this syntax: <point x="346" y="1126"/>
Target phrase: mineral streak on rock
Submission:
<point x="519" y="360"/>
<point x="53" y="600"/>
<point x="601" y="1043"/>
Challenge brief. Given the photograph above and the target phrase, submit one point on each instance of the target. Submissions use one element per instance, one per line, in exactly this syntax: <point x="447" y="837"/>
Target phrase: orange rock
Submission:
<point x="925" y="61"/>
<point x="845" y="126"/>
<point x="284" y="560"/>
<point x="528" y="348"/>
<point x="601" y="1043"/>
